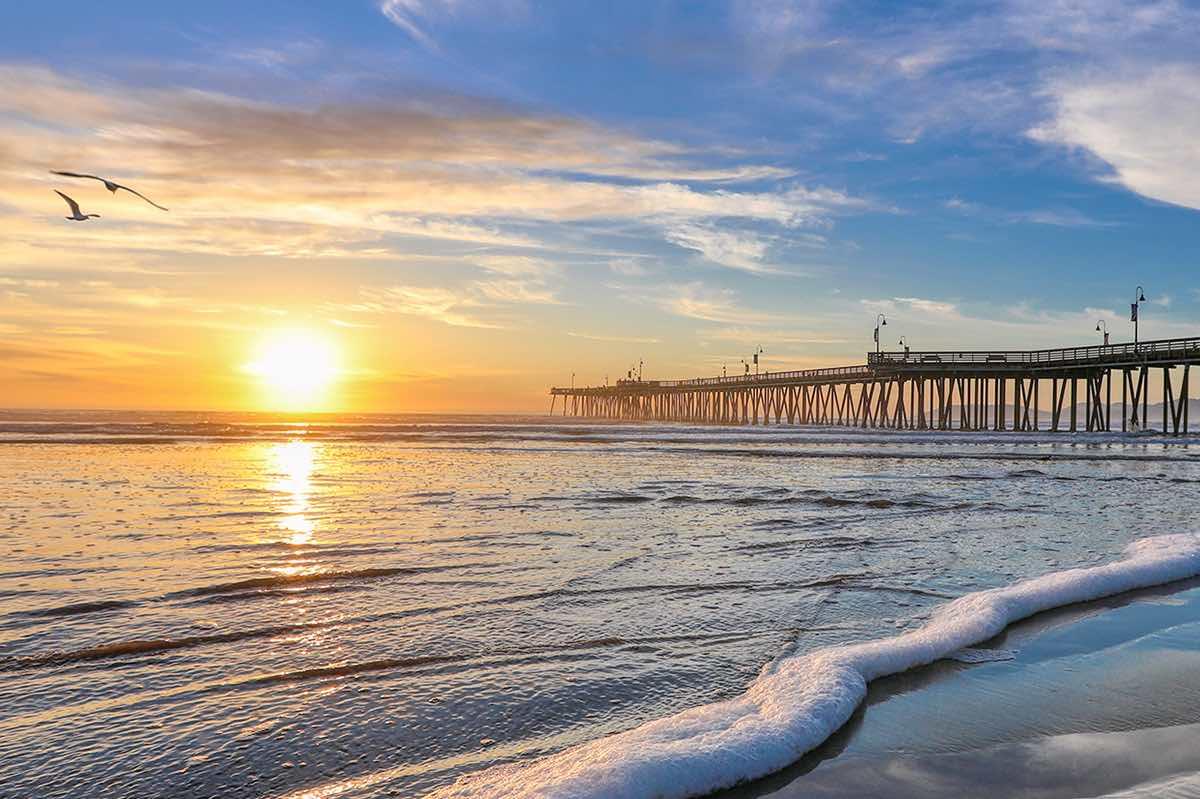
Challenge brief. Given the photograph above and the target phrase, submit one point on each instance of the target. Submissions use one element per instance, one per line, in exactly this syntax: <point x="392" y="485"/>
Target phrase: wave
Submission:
<point x="78" y="608"/>
<point x="797" y="702"/>
<point x="287" y="580"/>
<point x="126" y="428"/>
<point x="772" y="496"/>
<point x="238" y="590"/>
<point x="146" y="646"/>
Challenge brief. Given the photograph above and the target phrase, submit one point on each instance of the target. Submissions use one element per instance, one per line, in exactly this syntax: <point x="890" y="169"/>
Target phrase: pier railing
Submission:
<point x="1065" y="357"/>
<point x="834" y="373"/>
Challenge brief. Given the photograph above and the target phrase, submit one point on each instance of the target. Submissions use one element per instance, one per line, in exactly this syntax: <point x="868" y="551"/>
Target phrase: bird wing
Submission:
<point x="75" y="175"/>
<point x="74" y="205"/>
<point x="138" y="193"/>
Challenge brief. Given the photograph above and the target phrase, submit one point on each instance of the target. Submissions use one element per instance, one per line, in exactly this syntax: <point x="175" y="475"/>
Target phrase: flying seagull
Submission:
<point x="108" y="184"/>
<point x="76" y="214"/>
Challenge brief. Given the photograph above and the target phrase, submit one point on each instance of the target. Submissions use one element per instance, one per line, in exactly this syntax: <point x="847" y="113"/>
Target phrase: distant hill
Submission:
<point x="1154" y="413"/>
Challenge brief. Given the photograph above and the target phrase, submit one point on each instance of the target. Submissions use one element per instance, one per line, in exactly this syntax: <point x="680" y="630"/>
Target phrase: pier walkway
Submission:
<point x="929" y="390"/>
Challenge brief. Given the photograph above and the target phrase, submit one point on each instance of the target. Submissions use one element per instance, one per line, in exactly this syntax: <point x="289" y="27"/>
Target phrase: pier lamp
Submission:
<point x="880" y="321"/>
<point x="757" y="353"/>
<point x="1102" y="326"/>
<point x="904" y="343"/>
<point x="1139" y="298"/>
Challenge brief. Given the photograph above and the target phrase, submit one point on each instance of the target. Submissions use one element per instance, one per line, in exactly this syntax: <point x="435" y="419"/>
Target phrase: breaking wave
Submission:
<point x="797" y="702"/>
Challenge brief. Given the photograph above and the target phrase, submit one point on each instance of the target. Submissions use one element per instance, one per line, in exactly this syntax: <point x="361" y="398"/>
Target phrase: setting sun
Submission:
<point x="296" y="368"/>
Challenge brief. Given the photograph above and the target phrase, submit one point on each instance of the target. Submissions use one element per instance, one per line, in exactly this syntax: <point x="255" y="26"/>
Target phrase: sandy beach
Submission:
<point x="1096" y="699"/>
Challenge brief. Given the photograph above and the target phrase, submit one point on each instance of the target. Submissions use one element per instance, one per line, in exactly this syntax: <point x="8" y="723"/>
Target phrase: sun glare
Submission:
<point x="296" y="368"/>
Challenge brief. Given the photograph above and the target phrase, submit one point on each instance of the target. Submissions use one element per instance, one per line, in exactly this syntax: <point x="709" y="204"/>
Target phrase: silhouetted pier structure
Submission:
<point x="937" y="390"/>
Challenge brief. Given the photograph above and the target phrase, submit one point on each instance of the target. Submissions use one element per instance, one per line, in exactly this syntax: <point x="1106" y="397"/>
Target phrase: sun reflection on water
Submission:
<point x="294" y="461"/>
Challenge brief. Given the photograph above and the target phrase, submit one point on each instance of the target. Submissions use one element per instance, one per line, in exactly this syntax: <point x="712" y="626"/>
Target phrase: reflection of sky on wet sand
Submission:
<point x="1099" y="699"/>
<point x="1156" y="762"/>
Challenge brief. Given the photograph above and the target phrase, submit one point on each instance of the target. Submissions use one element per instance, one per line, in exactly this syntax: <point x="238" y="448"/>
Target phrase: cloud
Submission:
<point x="410" y="16"/>
<point x="772" y="31"/>
<point x="614" y="339"/>
<point x="517" y="265"/>
<point x="1142" y="125"/>
<point x="416" y="17"/>
<point x="775" y="337"/>
<point x="696" y="301"/>
<point x="517" y="291"/>
<point x="919" y="305"/>
<point x="629" y="267"/>
<point x="441" y="304"/>
<point x="1100" y="25"/>
<point x="252" y="177"/>
<point x="742" y="251"/>
<point x="1057" y="217"/>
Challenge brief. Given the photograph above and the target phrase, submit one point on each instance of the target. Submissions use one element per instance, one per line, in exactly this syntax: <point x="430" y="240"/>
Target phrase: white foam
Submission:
<point x="1186" y="786"/>
<point x="798" y="702"/>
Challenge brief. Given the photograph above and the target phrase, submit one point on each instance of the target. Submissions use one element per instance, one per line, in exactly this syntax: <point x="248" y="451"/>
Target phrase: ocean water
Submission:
<point x="379" y="606"/>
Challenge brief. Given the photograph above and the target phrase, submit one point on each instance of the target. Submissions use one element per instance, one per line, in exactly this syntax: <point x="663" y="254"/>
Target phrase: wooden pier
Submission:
<point x="940" y="390"/>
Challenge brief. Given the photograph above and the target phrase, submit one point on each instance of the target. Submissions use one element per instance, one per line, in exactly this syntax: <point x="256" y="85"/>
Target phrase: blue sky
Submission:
<point x="519" y="190"/>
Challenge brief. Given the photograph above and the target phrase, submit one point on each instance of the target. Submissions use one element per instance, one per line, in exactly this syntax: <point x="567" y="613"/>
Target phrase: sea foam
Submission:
<point x="797" y="702"/>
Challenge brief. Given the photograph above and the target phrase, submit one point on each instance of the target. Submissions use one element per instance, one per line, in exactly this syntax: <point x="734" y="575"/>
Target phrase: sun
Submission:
<point x="296" y="368"/>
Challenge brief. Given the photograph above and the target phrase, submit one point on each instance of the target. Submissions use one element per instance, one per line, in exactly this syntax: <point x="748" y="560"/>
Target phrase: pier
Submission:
<point x="965" y="390"/>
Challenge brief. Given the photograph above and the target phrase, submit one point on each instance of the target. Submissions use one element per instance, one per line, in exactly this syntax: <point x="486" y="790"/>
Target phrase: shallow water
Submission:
<point x="209" y="605"/>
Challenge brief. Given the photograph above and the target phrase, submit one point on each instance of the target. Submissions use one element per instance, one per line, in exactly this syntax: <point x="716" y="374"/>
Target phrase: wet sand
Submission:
<point x="1090" y="700"/>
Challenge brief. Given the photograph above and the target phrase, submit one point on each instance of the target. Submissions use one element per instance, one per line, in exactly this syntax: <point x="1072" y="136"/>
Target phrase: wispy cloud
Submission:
<point x="441" y="304"/>
<point x="251" y="177"/>
<point x="697" y="301"/>
<point x="918" y="305"/>
<point x="417" y="17"/>
<point x="1056" y="217"/>
<point x="742" y="251"/>
<point x="614" y="339"/>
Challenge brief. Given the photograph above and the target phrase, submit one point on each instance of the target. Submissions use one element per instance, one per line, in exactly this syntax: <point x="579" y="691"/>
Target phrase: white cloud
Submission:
<point x="919" y="305"/>
<point x="742" y="251"/>
<point x="1142" y="124"/>
<point x="415" y="17"/>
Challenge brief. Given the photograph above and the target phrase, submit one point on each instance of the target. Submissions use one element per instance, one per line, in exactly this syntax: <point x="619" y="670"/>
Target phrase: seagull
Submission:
<point x="76" y="214"/>
<point x="108" y="184"/>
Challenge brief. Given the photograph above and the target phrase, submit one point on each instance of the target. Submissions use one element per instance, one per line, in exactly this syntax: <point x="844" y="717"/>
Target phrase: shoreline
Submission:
<point x="1093" y="699"/>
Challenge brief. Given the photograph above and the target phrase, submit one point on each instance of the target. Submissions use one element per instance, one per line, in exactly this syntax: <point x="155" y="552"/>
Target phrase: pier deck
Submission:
<point x="927" y="390"/>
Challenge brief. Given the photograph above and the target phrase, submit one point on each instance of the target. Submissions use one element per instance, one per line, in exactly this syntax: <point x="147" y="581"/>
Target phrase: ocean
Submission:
<point x="196" y="605"/>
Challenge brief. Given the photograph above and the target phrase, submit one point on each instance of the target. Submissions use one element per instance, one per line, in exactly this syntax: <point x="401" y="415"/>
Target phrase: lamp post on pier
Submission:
<point x="757" y="353"/>
<point x="1102" y="326"/>
<point x="904" y="343"/>
<point x="1139" y="298"/>
<point x="880" y="321"/>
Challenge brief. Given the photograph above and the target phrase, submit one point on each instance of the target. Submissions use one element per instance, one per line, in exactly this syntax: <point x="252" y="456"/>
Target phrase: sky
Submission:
<point x="466" y="202"/>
